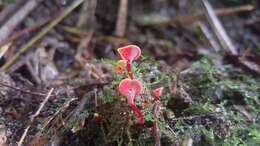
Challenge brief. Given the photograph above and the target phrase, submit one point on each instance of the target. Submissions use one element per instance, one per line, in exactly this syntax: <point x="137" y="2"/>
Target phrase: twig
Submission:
<point x="32" y="71"/>
<point x="226" y="42"/>
<point x="76" y="112"/>
<point x="209" y="36"/>
<point x="66" y="104"/>
<point x="22" y="32"/>
<point x="96" y="97"/>
<point x="155" y="129"/>
<point x="234" y="10"/>
<point x="130" y="143"/>
<point x="121" y="18"/>
<point x="183" y="20"/>
<point x="7" y="28"/>
<point x="8" y="10"/>
<point x="3" y="49"/>
<point x="188" y="19"/>
<point x="22" y="90"/>
<point x="221" y="34"/>
<point x="33" y="117"/>
<point x="83" y="101"/>
<point x="191" y="117"/>
<point x="41" y="34"/>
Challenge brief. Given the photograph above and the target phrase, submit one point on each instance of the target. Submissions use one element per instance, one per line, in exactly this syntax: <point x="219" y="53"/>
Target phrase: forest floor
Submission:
<point x="59" y="72"/>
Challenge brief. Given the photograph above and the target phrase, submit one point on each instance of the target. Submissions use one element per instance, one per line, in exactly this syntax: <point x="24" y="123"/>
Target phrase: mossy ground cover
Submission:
<point x="224" y="109"/>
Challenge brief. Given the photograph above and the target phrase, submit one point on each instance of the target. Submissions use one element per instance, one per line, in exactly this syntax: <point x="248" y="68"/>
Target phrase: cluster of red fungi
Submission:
<point x="131" y="87"/>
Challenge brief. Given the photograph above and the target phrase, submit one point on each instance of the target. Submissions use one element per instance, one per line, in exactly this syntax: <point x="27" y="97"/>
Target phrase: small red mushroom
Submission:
<point x="157" y="93"/>
<point x="130" y="89"/>
<point x="129" y="53"/>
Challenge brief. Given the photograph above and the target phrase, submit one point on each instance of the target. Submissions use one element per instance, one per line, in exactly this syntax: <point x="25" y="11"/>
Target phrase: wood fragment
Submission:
<point x="22" y="90"/>
<point x="9" y="10"/>
<point x="82" y="104"/>
<point x="219" y="30"/>
<point x="226" y="42"/>
<point x="77" y="111"/>
<point x="192" y="117"/>
<point x="7" y="28"/>
<point x="23" y="32"/>
<point x="252" y="66"/>
<point x="187" y="19"/>
<point x="159" y="20"/>
<point x="3" y="49"/>
<point x="34" y="116"/>
<point x="121" y="18"/>
<point x="32" y="71"/>
<point x="209" y="36"/>
<point x="60" y="110"/>
<point x="155" y="129"/>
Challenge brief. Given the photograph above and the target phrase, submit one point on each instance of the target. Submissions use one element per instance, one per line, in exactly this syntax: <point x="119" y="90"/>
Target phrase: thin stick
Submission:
<point x="192" y="117"/>
<point x="22" y="90"/>
<point x="209" y="36"/>
<point x="23" y="32"/>
<point x="66" y="105"/>
<point x="9" y="10"/>
<point x="33" y="117"/>
<point x="41" y="34"/>
<point x="7" y="28"/>
<point x="221" y="34"/>
<point x="155" y="129"/>
<point x="188" y="19"/>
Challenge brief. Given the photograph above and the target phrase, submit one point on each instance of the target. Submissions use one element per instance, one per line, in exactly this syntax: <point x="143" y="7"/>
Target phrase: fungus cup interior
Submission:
<point x="129" y="53"/>
<point x="130" y="89"/>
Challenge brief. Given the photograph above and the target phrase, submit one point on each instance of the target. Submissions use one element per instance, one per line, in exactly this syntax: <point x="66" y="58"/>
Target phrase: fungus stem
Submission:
<point x="138" y="113"/>
<point x="129" y="70"/>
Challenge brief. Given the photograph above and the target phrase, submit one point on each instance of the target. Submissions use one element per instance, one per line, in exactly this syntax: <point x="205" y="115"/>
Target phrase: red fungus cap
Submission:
<point x="129" y="53"/>
<point x="130" y="89"/>
<point x="158" y="92"/>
